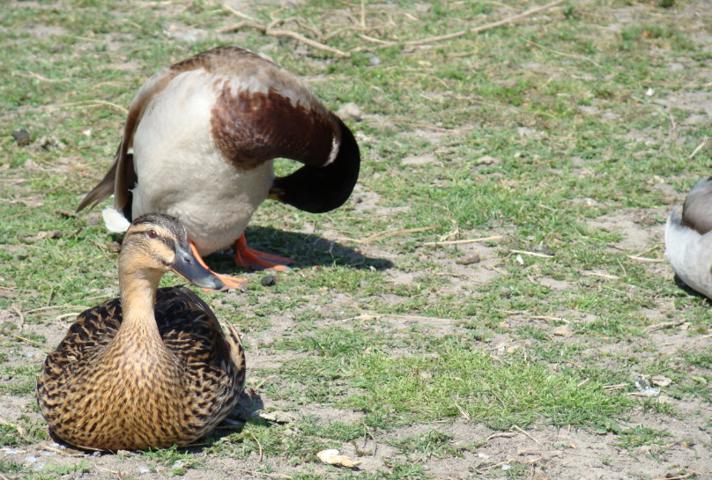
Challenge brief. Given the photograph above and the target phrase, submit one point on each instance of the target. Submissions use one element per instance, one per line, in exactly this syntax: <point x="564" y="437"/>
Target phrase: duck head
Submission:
<point x="155" y="244"/>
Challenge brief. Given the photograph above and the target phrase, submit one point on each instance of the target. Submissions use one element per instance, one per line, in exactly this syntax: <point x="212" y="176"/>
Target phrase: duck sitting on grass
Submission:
<point x="152" y="368"/>
<point x="688" y="239"/>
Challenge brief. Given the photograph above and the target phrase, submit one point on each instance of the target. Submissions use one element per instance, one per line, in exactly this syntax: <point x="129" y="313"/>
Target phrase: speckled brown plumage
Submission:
<point x="112" y="388"/>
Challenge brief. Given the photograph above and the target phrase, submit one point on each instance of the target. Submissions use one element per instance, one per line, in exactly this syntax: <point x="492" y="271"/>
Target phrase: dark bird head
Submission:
<point x="321" y="189"/>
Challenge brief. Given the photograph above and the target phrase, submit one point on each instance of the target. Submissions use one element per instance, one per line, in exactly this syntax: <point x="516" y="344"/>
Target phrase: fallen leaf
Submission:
<point x="562" y="331"/>
<point x="332" y="456"/>
<point x="660" y="380"/>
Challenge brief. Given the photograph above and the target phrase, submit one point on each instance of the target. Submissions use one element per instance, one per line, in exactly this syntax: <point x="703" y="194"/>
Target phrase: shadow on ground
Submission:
<point x="693" y="293"/>
<point x="307" y="250"/>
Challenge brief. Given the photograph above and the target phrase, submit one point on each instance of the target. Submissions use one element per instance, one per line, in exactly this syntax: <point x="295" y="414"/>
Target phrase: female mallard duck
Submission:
<point x="688" y="239"/>
<point x="199" y="142"/>
<point x="151" y="369"/>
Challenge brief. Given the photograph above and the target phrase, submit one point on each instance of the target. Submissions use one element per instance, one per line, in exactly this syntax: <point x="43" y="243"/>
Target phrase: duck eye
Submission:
<point x="152" y="234"/>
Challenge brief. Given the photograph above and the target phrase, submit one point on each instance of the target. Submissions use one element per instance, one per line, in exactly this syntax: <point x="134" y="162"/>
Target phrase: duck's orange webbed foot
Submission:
<point x="229" y="281"/>
<point x="251" y="259"/>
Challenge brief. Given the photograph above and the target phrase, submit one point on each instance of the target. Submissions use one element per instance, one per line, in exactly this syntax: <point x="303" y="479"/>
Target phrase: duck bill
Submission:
<point x="188" y="267"/>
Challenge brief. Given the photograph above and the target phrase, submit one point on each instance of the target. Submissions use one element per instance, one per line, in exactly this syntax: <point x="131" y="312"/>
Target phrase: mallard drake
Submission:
<point x="688" y="239"/>
<point x="199" y="143"/>
<point x="152" y="368"/>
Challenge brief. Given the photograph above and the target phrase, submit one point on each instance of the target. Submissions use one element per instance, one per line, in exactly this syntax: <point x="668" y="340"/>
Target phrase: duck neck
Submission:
<point x="138" y="297"/>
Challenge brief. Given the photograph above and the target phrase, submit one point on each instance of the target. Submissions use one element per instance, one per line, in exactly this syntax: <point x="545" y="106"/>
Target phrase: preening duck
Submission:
<point x="152" y="368"/>
<point x="199" y="142"/>
<point x="688" y="239"/>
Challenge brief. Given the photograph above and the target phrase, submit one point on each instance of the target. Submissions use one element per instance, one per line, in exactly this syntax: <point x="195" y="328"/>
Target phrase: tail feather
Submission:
<point x="101" y="191"/>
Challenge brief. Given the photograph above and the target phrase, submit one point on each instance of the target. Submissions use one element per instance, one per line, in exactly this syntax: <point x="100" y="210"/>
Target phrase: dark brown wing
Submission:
<point x="264" y="112"/>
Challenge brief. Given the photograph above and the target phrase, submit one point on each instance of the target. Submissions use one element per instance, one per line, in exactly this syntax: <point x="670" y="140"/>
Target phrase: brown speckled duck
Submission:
<point x="150" y="369"/>
<point x="199" y="143"/>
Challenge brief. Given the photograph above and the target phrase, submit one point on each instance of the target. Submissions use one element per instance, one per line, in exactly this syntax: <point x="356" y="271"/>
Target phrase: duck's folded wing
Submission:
<point x="689" y="254"/>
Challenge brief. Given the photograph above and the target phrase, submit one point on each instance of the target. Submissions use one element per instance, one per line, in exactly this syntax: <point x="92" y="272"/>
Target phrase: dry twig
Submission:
<point x="698" y="148"/>
<point x="645" y="259"/>
<point x="485" y="27"/>
<point x="268" y="30"/>
<point x="564" y="54"/>
<point x="520" y="430"/>
<point x="265" y="474"/>
<point x="91" y="104"/>
<point x="273" y="32"/>
<point x="532" y="254"/>
<point x="385" y="234"/>
<point x="664" y="325"/>
<point x="20" y="316"/>
<point x="466" y="240"/>
<point x="259" y="445"/>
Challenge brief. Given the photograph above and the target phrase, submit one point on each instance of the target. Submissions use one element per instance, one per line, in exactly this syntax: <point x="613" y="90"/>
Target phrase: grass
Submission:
<point x="554" y="133"/>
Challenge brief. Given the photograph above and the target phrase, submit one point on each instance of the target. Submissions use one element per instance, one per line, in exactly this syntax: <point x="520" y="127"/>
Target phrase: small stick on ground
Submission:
<point x="94" y="103"/>
<point x="485" y="27"/>
<point x="564" y="54"/>
<point x="664" y="325"/>
<point x="464" y="414"/>
<point x="698" y="148"/>
<point x="532" y="254"/>
<point x="501" y="435"/>
<point x="19" y="314"/>
<point x="26" y="340"/>
<point x="239" y="13"/>
<point x="677" y="477"/>
<point x="385" y="234"/>
<point x="363" y="14"/>
<point x="21" y="431"/>
<point x="265" y="474"/>
<point x="645" y="259"/>
<point x="268" y="30"/>
<point x="547" y="317"/>
<point x="464" y="241"/>
<point x="60" y="451"/>
<point x="520" y="430"/>
<point x="617" y="386"/>
<point x="259" y="445"/>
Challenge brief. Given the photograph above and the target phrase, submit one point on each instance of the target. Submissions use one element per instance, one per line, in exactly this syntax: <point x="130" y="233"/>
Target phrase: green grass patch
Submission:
<point x="458" y="380"/>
